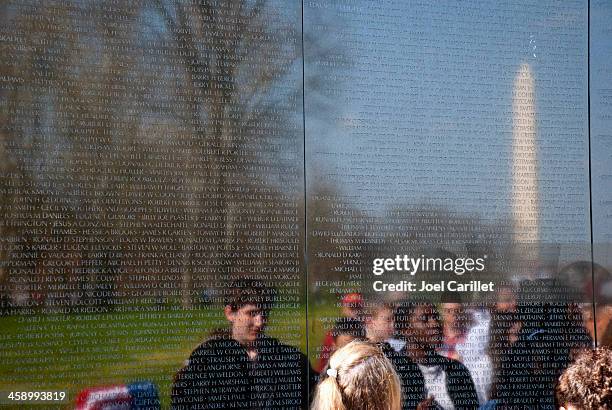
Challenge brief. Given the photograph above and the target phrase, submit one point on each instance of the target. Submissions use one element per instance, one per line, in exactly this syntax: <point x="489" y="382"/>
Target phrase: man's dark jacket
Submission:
<point x="459" y="382"/>
<point x="220" y="375"/>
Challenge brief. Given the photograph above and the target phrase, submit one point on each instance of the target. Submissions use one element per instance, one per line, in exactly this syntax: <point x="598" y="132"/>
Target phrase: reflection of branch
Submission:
<point x="205" y="11"/>
<point x="188" y="36"/>
<point x="164" y="12"/>
<point x="256" y="10"/>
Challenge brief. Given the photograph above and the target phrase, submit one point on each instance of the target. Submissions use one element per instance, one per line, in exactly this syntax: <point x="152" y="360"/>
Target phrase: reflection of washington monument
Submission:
<point x="525" y="203"/>
<point x="525" y="208"/>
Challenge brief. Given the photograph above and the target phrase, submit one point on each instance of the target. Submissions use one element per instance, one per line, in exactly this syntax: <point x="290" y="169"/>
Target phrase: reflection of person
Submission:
<point x="547" y="339"/>
<point x="345" y="331"/>
<point x="351" y="308"/>
<point x="466" y="339"/>
<point x="456" y="323"/>
<point x="358" y="377"/>
<point x="588" y="276"/>
<point x="503" y="332"/>
<point x="243" y="368"/>
<point x="444" y="383"/>
<point x="587" y="383"/>
<point x="379" y="322"/>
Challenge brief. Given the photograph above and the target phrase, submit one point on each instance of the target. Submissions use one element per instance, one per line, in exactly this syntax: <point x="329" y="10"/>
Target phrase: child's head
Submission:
<point x="352" y="303"/>
<point x="379" y="322"/>
<point x="587" y="383"/>
<point x="346" y="330"/>
<point x="358" y="377"/>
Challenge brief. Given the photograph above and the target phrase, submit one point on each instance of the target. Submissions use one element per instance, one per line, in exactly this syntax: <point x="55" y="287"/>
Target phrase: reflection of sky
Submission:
<point x="424" y="114"/>
<point x="601" y="123"/>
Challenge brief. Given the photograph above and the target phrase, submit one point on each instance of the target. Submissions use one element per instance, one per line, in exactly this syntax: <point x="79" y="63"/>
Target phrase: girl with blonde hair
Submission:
<point x="358" y="377"/>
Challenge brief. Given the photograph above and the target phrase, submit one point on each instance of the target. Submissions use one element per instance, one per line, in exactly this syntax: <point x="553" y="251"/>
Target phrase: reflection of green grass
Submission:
<point x="41" y="352"/>
<point x="72" y="352"/>
<point x="318" y="326"/>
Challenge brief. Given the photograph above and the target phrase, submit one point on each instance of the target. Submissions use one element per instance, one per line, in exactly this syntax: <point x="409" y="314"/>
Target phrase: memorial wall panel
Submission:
<point x="447" y="160"/>
<point x="152" y="157"/>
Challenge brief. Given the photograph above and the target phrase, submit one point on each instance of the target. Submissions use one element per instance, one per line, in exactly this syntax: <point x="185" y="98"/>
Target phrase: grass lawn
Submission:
<point x="72" y="352"/>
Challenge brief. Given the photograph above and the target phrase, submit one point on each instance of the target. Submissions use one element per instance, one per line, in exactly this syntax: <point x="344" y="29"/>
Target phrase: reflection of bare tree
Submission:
<point x="123" y="118"/>
<point x="66" y="129"/>
<point x="243" y="66"/>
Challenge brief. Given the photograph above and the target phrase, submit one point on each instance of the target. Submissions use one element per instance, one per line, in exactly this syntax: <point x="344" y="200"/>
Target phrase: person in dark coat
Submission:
<point x="430" y="380"/>
<point x="242" y="368"/>
<point x="549" y="337"/>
